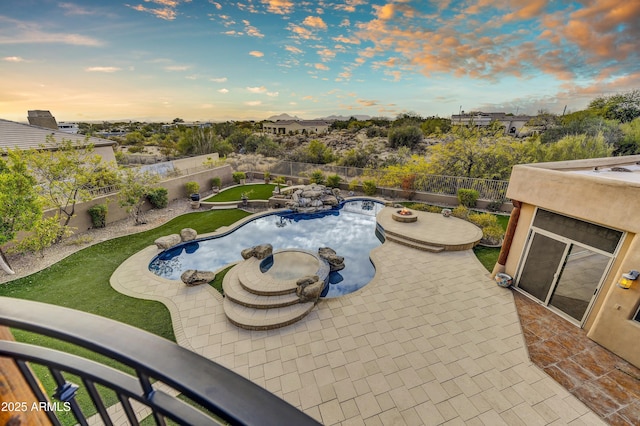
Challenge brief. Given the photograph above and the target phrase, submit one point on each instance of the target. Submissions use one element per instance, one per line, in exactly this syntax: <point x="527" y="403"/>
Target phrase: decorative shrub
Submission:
<point x="238" y="176"/>
<point x="483" y="220"/>
<point x="353" y="185"/>
<point x="461" y="212"/>
<point x="495" y="205"/>
<point x="369" y="187"/>
<point x="424" y="207"/>
<point x="317" y="176"/>
<point x="98" y="215"/>
<point x="192" y="187"/>
<point x="216" y="182"/>
<point x="158" y="197"/>
<point x="408" y="186"/>
<point x="267" y="177"/>
<point x="468" y="197"/>
<point x="492" y="235"/>
<point x="333" y="181"/>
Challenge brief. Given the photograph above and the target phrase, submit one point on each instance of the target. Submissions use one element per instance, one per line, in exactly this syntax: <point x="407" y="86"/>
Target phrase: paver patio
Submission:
<point x="430" y="340"/>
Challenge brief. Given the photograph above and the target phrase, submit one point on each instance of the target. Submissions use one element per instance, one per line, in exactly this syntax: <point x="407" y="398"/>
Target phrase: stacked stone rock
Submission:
<point x="313" y="198"/>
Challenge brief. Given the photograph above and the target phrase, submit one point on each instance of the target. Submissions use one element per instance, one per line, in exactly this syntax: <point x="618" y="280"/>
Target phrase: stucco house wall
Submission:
<point x="576" y="189"/>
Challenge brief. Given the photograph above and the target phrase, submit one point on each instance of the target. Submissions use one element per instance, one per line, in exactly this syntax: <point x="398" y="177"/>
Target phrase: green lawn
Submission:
<point x="81" y="281"/>
<point x="254" y="192"/>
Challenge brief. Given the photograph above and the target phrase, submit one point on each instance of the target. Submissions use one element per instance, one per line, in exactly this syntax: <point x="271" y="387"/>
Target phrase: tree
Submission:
<point x="19" y="204"/>
<point x="409" y="136"/>
<point x="316" y="152"/>
<point x="630" y="143"/>
<point x="134" y="188"/>
<point x="624" y="107"/>
<point x="576" y="147"/>
<point x="436" y="126"/>
<point x="65" y="175"/>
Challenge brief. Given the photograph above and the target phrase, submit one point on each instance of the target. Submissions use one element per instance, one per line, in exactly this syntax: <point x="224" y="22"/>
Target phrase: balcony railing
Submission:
<point x="218" y="394"/>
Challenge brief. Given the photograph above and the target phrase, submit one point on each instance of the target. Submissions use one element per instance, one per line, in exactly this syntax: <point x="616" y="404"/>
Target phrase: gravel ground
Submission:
<point x="26" y="264"/>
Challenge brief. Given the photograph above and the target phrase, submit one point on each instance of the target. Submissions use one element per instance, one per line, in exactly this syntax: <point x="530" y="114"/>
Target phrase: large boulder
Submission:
<point x="260" y="252"/>
<point x="336" y="263"/>
<point x="168" y="241"/>
<point x="309" y="288"/>
<point x="188" y="234"/>
<point x="192" y="277"/>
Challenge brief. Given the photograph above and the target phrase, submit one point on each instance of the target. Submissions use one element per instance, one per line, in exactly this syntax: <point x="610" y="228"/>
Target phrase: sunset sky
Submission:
<point x="155" y="60"/>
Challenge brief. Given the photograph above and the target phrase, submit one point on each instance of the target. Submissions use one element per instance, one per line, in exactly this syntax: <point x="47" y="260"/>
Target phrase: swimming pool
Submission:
<point x="349" y="229"/>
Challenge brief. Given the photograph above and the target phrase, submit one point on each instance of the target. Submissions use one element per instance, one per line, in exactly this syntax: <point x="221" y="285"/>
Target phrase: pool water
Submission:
<point x="349" y="229"/>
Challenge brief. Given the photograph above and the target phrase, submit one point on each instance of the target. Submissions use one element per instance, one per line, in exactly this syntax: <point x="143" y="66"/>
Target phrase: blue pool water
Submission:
<point x="350" y="230"/>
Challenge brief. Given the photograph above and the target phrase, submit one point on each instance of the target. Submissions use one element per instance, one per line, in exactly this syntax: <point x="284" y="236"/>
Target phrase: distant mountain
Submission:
<point x="283" y="116"/>
<point x="345" y="118"/>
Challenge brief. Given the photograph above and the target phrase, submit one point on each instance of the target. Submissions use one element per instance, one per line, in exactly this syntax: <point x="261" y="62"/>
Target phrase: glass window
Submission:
<point x="596" y="236"/>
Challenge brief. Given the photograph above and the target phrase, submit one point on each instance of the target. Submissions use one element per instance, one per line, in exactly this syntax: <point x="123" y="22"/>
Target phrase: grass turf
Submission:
<point x="262" y="191"/>
<point x="81" y="281"/>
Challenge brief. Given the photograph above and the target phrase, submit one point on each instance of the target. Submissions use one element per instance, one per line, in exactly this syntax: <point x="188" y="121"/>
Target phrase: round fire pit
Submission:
<point x="404" y="215"/>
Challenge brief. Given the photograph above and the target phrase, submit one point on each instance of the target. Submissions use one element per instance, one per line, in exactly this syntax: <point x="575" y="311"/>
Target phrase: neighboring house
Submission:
<point x="25" y="136"/>
<point x="573" y="233"/>
<point x="285" y="127"/>
<point x="513" y="124"/>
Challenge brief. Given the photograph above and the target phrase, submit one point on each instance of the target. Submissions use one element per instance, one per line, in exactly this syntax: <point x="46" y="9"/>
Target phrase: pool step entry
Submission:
<point x="259" y="297"/>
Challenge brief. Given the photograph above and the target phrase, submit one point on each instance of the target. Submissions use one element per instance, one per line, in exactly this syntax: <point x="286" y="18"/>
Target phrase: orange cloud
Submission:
<point x="314" y="22"/>
<point x="280" y="7"/>
<point x="256" y="53"/>
<point x="322" y="67"/>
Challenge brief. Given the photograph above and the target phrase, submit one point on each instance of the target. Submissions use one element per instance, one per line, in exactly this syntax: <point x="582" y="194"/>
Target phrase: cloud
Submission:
<point x="103" y="69"/>
<point x="167" y="13"/>
<point x="293" y="49"/>
<point x="256" y="53"/>
<point x="273" y="94"/>
<point x="13" y="31"/>
<point x="216" y="4"/>
<point x="218" y="79"/>
<point x="13" y="59"/>
<point x="346" y="40"/>
<point x="251" y="30"/>
<point x="350" y="5"/>
<point x="326" y="54"/>
<point x="223" y="90"/>
<point x="176" y="68"/>
<point x="300" y="32"/>
<point x="314" y="22"/>
<point x="253" y="103"/>
<point x="367" y="103"/>
<point x="321" y="67"/>
<point x="345" y="23"/>
<point x="74" y="9"/>
<point x="257" y="89"/>
<point x="279" y="7"/>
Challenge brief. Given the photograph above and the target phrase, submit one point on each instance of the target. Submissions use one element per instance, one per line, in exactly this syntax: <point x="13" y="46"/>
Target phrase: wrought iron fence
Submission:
<point x="213" y="393"/>
<point x="488" y="189"/>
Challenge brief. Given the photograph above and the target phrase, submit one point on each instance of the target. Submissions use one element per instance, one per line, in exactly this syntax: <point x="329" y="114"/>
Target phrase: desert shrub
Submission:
<point x="158" y="197"/>
<point x="317" y="176"/>
<point x="369" y="187"/>
<point x="192" y="187"/>
<point x="98" y="215"/>
<point x="353" y="185"/>
<point x="492" y="234"/>
<point x="483" y="220"/>
<point x="333" y="181"/>
<point x="409" y="136"/>
<point x="468" y="197"/>
<point x="238" y="176"/>
<point x="216" y="182"/>
<point x="460" y="212"/>
<point x="424" y="207"/>
<point x="495" y="205"/>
